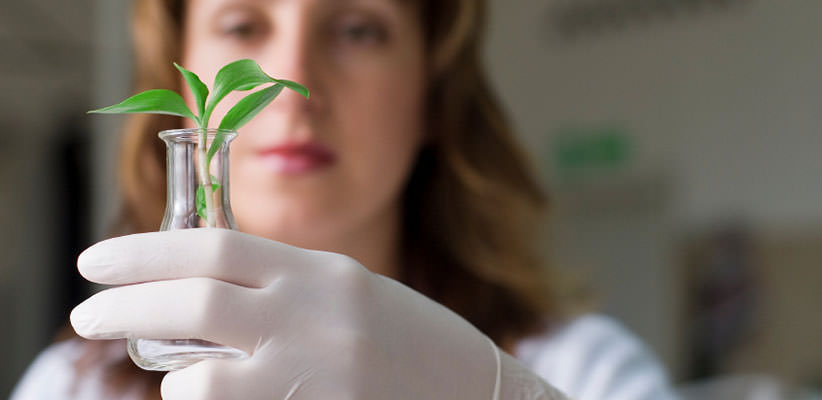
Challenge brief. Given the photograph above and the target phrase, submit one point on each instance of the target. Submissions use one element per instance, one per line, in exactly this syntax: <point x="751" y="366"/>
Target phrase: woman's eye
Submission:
<point x="364" y="33"/>
<point x="243" y="31"/>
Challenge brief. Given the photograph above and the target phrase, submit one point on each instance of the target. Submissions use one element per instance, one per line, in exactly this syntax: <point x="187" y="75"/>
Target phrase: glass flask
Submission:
<point x="191" y="204"/>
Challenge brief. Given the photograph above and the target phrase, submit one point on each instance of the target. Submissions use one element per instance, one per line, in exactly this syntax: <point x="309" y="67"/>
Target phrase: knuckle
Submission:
<point x="352" y="288"/>
<point x="348" y="270"/>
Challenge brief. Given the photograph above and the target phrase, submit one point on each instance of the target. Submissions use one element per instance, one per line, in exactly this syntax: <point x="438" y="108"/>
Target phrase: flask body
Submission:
<point x="197" y="187"/>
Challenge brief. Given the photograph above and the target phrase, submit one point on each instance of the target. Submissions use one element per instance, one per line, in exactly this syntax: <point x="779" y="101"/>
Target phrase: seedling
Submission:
<point x="239" y="75"/>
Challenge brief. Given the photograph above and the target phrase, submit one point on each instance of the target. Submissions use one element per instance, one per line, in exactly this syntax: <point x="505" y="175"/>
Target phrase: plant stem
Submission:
<point x="205" y="176"/>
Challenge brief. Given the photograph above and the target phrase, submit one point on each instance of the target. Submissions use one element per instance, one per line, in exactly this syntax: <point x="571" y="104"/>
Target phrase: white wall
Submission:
<point x="724" y="107"/>
<point x="731" y="101"/>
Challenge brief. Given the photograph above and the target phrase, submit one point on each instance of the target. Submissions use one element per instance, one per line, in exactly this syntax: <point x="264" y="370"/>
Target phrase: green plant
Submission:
<point x="239" y="75"/>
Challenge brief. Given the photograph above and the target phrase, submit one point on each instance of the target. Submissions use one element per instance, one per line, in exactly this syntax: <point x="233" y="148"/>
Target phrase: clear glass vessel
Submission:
<point x="190" y="203"/>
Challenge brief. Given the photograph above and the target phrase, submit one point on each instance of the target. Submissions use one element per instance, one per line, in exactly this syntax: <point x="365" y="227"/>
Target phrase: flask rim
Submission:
<point x="192" y="134"/>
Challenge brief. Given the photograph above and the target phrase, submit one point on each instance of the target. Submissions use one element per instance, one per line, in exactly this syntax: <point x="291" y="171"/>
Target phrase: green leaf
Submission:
<point x="241" y="113"/>
<point x="155" y="101"/>
<point x="294" y="86"/>
<point x="249" y="107"/>
<point x="238" y="75"/>
<point x="197" y="87"/>
<point x="200" y="199"/>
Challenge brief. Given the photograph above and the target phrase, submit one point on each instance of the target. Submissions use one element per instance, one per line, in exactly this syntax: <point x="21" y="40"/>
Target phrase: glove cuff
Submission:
<point x="499" y="369"/>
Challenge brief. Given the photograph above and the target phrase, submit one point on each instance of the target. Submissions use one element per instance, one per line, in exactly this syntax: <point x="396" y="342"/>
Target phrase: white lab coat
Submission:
<point x="589" y="358"/>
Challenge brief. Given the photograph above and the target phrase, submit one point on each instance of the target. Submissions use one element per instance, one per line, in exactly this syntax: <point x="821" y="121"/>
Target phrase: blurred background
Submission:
<point x="680" y="140"/>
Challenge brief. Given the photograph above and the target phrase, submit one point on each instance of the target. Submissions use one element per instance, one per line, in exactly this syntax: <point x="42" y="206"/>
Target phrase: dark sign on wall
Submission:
<point x="575" y="18"/>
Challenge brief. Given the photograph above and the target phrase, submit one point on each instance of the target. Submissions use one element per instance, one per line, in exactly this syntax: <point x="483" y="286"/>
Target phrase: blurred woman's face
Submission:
<point x="309" y="172"/>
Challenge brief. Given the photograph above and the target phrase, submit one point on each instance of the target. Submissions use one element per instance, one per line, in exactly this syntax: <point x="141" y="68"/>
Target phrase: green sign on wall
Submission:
<point x="580" y="152"/>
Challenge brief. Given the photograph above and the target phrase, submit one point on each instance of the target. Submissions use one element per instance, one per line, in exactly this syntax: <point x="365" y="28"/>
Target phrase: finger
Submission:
<point x="204" y="380"/>
<point x="191" y="383"/>
<point x="194" y="308"/>
<point x="222" y="254"/>
<point x="246" y="379"/>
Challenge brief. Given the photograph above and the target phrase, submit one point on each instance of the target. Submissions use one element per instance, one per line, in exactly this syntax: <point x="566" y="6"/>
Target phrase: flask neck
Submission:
<point x="197" y="179"/>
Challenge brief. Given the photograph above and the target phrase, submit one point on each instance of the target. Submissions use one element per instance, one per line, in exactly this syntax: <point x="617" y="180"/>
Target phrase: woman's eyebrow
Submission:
<point x="328" y="2"/>
<point x="229" y="2"/>
<point x="397" y="5"/>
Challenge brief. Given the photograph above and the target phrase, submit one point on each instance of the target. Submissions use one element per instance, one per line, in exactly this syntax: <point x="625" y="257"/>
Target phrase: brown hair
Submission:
<point x="471" y="206"/>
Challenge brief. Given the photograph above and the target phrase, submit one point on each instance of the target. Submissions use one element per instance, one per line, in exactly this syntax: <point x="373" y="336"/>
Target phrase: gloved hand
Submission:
<point x="318" y="325"/>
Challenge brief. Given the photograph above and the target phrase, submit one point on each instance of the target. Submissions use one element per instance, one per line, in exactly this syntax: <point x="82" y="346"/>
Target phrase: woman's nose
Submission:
<point x="289" y="57"/>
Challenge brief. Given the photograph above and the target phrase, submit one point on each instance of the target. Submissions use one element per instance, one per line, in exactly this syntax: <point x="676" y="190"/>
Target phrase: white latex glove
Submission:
<point x="318" y="325"/>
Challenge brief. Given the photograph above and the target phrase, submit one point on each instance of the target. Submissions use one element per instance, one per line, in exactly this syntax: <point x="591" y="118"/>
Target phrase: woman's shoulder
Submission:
<point x="582" y="333"/>
<point x="50" y="374"/>
<point x="593" y="357"/>
<point x="53" y="373"/>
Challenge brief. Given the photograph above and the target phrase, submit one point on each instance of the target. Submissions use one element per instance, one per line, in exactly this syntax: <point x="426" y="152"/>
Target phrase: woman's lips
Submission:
<point x="297" y="158"/>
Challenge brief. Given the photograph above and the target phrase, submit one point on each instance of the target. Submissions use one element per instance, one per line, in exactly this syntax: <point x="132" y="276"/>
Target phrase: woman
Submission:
<point x="401" y="162"/>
